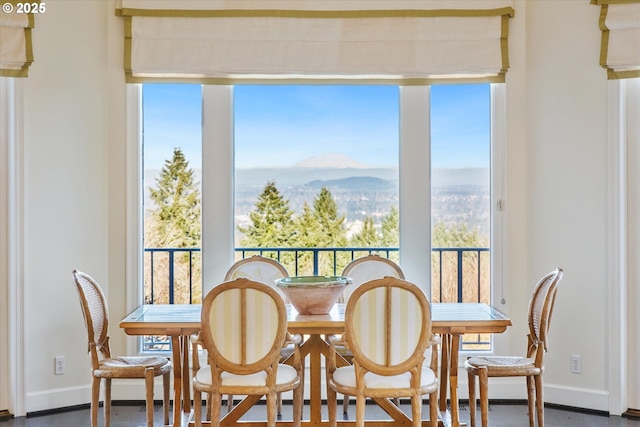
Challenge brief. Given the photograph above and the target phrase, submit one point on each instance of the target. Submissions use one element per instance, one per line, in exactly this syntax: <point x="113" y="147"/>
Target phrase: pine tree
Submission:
<point x="175" y="218"/>
<point x="332" y="231"/>
<point x="271" y="220"/>
<point x="391" y="229"/>
<point x="331" y="223"/>
<point x="174" y="222"/>
<point x="367" y="237"/>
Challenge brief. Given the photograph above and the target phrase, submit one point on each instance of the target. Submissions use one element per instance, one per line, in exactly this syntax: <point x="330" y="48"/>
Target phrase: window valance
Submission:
<point x="620" y="44"/>
<point x="397" y="41"/>
<point x="16" y="53"/>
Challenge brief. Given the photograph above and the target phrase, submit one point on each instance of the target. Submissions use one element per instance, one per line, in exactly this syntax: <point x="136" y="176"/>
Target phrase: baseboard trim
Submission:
<point x="631" y="413"/>
<point x="58" y="410"/>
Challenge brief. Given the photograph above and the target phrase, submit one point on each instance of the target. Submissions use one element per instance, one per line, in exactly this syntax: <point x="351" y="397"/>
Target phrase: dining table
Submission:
<point x="449" y="320"/>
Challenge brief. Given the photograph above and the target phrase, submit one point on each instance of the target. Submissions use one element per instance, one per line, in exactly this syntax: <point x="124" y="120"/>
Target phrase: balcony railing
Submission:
<point x="173" y="275"/>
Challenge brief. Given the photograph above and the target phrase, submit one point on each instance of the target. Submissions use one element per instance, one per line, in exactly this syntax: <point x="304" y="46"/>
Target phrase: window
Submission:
<point x="425" y="125"/>
<point x="316" y="174"/>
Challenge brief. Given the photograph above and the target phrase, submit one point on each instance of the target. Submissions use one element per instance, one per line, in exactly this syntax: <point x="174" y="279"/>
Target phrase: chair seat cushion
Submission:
<point x="504" y="365"/>
<point x="286" y="374"/>
<point x="132" y="366"/>
<point x="345" y="376"/>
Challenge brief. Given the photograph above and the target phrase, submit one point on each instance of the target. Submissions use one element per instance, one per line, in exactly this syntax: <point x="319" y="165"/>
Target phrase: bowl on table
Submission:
<point x="313" y="294"/>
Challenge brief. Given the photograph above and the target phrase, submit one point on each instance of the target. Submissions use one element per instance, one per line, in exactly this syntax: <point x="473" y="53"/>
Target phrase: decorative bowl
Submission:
<point x="313" y="294"/>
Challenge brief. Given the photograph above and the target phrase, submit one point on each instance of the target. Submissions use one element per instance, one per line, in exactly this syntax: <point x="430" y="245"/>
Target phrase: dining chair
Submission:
<point x="243" y="329"/>
<point x="264" y="270"/>
<point x="388" y="330"/>
<point x="104" y="366"/>
<point x="530" y="366"/>
<point x="362" y="270"/>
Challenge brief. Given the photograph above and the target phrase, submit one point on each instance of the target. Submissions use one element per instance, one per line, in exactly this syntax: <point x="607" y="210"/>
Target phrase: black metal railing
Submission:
<point x="172" y="275"/>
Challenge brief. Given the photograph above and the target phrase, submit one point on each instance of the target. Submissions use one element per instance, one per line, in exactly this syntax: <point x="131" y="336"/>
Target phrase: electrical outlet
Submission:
<point x="59" y="365"/>
<point x="576" y="364"/>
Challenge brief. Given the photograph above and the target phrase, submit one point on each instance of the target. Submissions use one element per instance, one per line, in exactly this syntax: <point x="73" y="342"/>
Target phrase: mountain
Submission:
<point x="330" y="161"/>
<point x="355" y="183"/>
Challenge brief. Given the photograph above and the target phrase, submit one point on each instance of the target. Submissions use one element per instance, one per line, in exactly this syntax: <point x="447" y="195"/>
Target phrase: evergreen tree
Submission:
<point x="175" y="218"/>
<point x="174" y="222"/>
<point x="308" y="229"/>
<point x="457" y="236"/>
<point x="331" y="223"/>
<point x="332" y="231"/>
<point x="271" y="220"/>
<point x="391" y="229"/>
<point x="367" y="237"/>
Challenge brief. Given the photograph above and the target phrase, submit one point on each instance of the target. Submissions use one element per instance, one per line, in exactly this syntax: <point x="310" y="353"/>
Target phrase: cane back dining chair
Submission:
<point x="531" y="366"/>
<point x="388" y="330"/>
<point x="264" y="270"/>
<point x="362" y="270"/>
<point x="243" y="329"/>
<point x="104" y="366"/>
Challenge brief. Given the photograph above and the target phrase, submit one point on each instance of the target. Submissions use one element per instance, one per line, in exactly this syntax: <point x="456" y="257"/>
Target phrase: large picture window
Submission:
<point x="315" y="176"/>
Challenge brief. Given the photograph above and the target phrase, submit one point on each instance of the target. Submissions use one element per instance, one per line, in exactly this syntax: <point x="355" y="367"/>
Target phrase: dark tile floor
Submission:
<point x="501" y="415"/>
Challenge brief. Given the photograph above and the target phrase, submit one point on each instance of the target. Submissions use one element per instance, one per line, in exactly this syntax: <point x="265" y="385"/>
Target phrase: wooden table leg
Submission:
<point x="186" y="375"/>
<point x="313" y="347"/>
<point x="177" y="379"/>
<point x="444" y="371"/>
<point x="453" y="379"/>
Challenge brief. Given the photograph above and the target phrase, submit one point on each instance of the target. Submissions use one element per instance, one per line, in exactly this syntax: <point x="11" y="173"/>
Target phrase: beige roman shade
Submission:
<point x="620" y="45"/>
<point x="386" y="41"/>
<point x="16" y="53"/>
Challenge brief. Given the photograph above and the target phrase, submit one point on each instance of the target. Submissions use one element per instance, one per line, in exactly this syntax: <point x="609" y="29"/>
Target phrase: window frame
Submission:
<point x="217" y="168"/>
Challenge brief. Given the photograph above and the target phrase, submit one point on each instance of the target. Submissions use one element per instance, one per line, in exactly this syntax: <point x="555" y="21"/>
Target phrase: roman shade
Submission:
<point x="397" y="41"/>
<point x="16" y="53"/>
<point x="620" y="43"/>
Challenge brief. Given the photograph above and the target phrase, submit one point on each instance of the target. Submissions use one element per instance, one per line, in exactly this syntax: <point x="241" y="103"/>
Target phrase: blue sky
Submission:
<point x="277" y="126"/>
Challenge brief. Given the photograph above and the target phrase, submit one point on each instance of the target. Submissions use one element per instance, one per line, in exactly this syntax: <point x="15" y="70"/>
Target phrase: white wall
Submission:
<point x="567" y="199"/>
<point x="556" y="192"/>
<point x="73" y="192"/>
<point x="633" y="168"/>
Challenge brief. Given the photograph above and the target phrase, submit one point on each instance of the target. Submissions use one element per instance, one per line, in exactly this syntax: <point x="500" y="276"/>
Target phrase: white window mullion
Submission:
<point x="415" y="185"/>
<point x="217" y="184"/>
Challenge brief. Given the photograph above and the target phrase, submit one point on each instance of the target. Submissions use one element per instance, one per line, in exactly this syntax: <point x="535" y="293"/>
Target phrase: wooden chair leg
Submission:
<point x="472" y="397"/>
<point x="166" y="380"/>
<point x="215" y="399"/>
<point x="229" y="402"/>
<point x="484" y="395"/>
<point x="107" y="402"/>
<point x="416" y="410"/>
<point x="95" y="401"/>
<point x="433" y="408"/>
<point x="531" y="400"/>
<point x="360" y="406"/>
<point x="148" y="385"/>
<point x="332" y="403"/>
<point x="345" y="403"/>
<point x="540" y="400"/>
<point x="279" y="404"/>
<point x="197" y="407"/>
<point x="298" y="396"/>
<point x="272" y="408"/>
